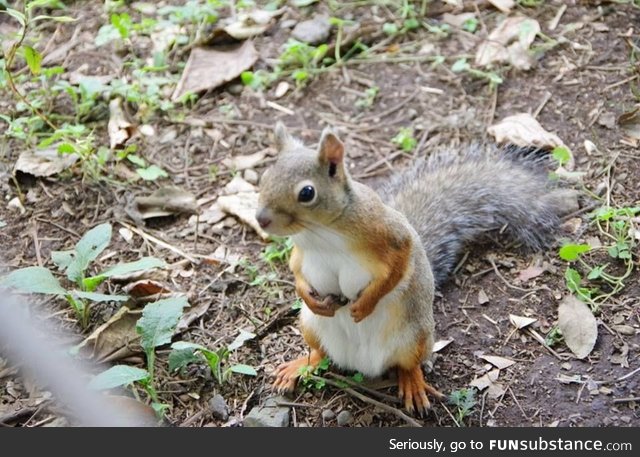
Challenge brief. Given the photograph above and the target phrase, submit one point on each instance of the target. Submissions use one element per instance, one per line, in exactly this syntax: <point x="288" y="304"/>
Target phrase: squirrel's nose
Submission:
<point x="263" y="217"/>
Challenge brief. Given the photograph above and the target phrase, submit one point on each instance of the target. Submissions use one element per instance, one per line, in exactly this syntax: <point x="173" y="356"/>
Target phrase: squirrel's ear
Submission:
<point x="283" y="139"/>
<point x="331" y="151"/>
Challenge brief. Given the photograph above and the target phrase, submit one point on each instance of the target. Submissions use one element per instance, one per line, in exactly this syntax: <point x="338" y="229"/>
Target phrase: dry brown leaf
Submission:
<point x="629" y="123"/>
<point x="523" y="130"/>
<point x="192" y="314"/>
<point x="521" y="322"/>
<point x="244" y="206"/>
<point x="497" y="361"/>
<point x="488" y="380"/>
<point x="240" y="163"/>
<point x="119" y="128"/>
<point x="530" y="273"/>
<point x="166" y="201"/>
<point x="208" y="68"/>
<point x="44" y="162"/>
<point x="441" y="344"/>
<point x="145" y="288"/>
<point x="237" y="185"/>
<point x="509" y="42"/>
<point x="578" y="326"/>
<point x="116" y="335"/>
<point x="251" y="23"/>
<point x="503" y="5"/>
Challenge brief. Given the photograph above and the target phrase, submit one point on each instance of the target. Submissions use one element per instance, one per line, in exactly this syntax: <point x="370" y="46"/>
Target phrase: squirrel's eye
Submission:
<point x="307" y="194"/>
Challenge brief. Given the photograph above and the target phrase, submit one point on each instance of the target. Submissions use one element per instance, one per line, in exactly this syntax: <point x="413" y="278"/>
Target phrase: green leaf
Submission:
<point x="62" y="259"/>
<point x="390" y="28"/>
<point x="152" y="173"/>
<point x="63" y="19"/>
<point x="561" y="154"/>
<point x="88" y="249"/>
<point x="358" y="377"/>
<point x="180" y="358"/>
<point x="573" y="279"/>
<point x="136" y="160"/>
<point x="20" y="17"/>
<point x="33" y="58"/>
<point x="145" y="263"/>
<point x="37" y="280"/>
<point x="158" y="322"/>
<point x="92" y="283"/>
<point x="571" y="252"/>
<point x="116" y="376"/>
<point x="460" y="65"/>
<point x="98" y="297"/>
<point x="596" y="272"/>
<point x="240" y="339"/>
<point x="243" y="369"/>
<point x="247" y="77"/>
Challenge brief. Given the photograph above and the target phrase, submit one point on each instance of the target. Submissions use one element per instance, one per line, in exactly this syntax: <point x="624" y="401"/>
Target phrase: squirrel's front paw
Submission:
<point x="326" y="307"/>
<point x="359" y="311"/>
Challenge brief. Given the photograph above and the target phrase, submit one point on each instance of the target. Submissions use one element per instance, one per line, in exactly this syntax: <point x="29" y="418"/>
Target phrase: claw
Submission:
<point x="413" y="390"/>
<point x="288" y="373"/>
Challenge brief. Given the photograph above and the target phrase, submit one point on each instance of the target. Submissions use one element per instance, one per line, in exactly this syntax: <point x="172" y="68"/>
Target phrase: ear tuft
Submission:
<point x="331" y="149"/>
<point x="283" y="139"/>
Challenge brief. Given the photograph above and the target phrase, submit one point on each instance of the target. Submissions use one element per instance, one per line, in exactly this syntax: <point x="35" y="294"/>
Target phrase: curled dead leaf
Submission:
<point x="240" y="163"/>
<point x="523" y="130"/>
<point x="114" y="339"/>
<point x="208" y="68"/>
<point x="243" y="205"/>
<point x="119" y="128"/>
<point x="629" y="123"/>
<point x="509" y="42"/>
<point x="497" y="361"/>
<point x="166" y="201"/>
<point x="44" y="162"/>
<point x="521" y="322"/>
<point x="578" y="326"/>
<point x="441" y="344"/>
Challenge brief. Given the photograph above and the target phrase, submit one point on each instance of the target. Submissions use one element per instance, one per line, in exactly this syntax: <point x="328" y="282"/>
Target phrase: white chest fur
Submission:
<point x="369" y="346"/>
<point x="328" y="266"/>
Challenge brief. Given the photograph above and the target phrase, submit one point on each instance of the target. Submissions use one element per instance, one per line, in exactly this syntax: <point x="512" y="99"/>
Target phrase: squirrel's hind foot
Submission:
<point x="413" y="390"/>
<point x="287" y="374"/>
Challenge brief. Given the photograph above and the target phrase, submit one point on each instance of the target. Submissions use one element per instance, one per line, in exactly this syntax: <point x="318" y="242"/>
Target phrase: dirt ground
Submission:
<point x="590" y="75"/>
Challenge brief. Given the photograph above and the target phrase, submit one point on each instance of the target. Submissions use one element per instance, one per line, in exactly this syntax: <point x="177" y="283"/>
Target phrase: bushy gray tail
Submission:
<point x="452" y="199"/>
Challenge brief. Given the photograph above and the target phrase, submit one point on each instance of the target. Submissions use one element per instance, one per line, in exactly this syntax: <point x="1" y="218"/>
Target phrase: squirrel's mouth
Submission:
<point x="283" y="224"/>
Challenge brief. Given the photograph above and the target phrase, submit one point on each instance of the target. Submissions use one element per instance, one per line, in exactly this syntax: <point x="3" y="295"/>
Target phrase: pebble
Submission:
<point x="328" y="415"/>
<point x="344" y="418"/>
<point x="314" y="31"/>
<point x="269" y="414"/>
<point x="219" y="408"/>
<point x="251" y="176"/>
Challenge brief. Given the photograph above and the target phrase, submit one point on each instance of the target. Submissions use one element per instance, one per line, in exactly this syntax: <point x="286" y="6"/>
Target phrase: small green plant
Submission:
<point x="301" y="60"/>
<point x="461" y="65"/>
<point x="561" y="154"/>
<point x="553" y="337"/>
<point x="312" y="377"/>
<point x="75" y="263"/>
<point x="278" y="251"/>
<point x="464" y="400"/>
<point x="184" y="353"/>
<point x="618" y="226"/>
<point x="156" y="328"/>
<point x="146" y="172"/>
<point x="369" y="97"/>
<point x="405" y="139"/>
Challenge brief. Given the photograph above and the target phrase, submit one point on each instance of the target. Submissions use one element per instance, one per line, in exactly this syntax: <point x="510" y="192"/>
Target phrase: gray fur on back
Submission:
<point x="451" y="199"/>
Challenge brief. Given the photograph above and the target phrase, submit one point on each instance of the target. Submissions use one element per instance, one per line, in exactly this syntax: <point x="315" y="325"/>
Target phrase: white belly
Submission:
<point x="370" y="346"/>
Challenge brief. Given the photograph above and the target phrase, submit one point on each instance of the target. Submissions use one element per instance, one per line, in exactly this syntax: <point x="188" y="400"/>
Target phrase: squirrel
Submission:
<point x="388" y="252"/>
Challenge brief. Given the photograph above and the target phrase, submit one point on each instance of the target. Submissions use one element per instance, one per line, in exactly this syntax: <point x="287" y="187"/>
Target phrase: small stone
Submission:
<point x="344" y="418"/>
<point x="219" y="408"/>
<point x="269" y="414"/>
<point x="483" y="299"/>
<point x="281" y="89"/>
<point x="328" y="415"/>
<point x="251" y="176"/>
<point x="314" y="31"/>
<point x="235" y="89"/>
<point x="566" y="366"/>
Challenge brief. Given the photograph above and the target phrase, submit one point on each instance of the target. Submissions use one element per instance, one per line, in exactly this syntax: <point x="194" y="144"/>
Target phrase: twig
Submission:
<point x="366" y="389"/>
<point x="628" y="375"/>
<point x="391" y="110"/>
<point x="36" y="243"/>
<point x="160" y="243"/>
<point x="626" y="400"/>
<point x="390" y="409"/>
<point x="504" y="280"/>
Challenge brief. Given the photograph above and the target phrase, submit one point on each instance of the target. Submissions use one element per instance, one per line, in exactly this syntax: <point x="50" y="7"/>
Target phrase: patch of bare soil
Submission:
<point x="572" y="89"/>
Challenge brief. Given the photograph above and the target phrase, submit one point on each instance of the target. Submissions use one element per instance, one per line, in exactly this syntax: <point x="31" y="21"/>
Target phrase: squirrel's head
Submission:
<point x="304" y="188"/>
